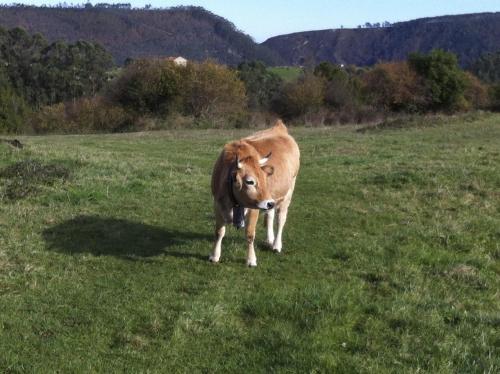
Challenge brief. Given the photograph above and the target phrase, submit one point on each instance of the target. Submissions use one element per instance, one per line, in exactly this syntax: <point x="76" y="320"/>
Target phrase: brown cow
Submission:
<point x="257" y="172"/>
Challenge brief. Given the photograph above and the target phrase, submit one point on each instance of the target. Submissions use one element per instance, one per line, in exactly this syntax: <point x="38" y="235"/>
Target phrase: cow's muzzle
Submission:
<point x="266" y="204"/>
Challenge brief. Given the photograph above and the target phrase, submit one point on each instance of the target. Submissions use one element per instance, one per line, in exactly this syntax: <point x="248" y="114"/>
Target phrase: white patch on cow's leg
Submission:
<point x="251" y="258"/>
<point x="270" y="227"/>
<point x="220" y="231"/>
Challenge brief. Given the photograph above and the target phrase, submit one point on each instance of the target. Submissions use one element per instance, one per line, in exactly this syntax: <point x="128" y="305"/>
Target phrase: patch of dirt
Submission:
<point x="463" y="271"/>
<point x="25" y="177"/>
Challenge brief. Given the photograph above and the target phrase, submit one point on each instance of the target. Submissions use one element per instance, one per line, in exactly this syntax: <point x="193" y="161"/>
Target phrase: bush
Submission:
<point x="212" y="92"/>
<point x="50" y="119"/>
<point x="301" y="97"/>
<point x="444" y="81"/>
<point x="394" y="87"/>
<point x="341" y="89"/>
<point x="83" y="116"/>
<point x="476" y="93"/>
<point x="149" y="87"/>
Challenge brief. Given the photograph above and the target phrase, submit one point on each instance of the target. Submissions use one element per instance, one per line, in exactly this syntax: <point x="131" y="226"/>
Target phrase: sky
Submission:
<point x="262" y="19"/>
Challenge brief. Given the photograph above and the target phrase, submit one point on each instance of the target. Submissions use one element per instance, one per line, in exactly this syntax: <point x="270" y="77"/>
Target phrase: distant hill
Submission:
<point x="469" y="36"/>
<point x="192" y="32"/>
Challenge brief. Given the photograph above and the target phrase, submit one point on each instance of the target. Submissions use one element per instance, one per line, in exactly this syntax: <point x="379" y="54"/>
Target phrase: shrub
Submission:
<point x="301" y="97"/>
<point x="149" y="87"/>
<point x="444" y="81"/>
<point x="49" y="119"/>
<point x="342" y="88"/>
<point x="393" y="87"/>
<point x="476" y="93"/>
<point x="213" y="92"/>
<point x="83" y="116"/>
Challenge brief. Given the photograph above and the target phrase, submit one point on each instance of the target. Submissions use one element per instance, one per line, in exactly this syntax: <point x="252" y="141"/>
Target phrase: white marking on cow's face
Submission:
<point x="266" y="204"/>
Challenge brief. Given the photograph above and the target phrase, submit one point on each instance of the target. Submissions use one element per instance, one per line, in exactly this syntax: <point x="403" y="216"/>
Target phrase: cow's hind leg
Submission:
<point x="270" y="227"/>
<point x="220" y="230"/>
<point x="252" y="217"/>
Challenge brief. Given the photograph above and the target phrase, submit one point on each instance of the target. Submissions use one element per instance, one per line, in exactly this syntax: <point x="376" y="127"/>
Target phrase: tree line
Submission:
<point x="68" y="88"/>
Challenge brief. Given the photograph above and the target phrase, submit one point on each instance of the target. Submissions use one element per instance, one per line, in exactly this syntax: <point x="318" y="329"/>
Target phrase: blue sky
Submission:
<point x="265" y="18"/>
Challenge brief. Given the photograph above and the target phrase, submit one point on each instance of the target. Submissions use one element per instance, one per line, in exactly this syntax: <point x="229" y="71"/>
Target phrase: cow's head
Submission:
<point x="250" y="182"/>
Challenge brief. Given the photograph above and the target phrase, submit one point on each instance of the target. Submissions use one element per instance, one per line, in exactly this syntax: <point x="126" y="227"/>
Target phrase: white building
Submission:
<point x="179" y="60"/>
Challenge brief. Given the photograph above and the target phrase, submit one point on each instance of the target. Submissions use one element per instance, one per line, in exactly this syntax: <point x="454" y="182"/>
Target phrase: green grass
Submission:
<point x="390" y="264"/>
<point x="287" y="73"/>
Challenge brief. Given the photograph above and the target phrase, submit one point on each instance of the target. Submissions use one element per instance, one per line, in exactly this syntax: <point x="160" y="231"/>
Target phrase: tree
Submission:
<point x="476" y="93"/>
<point x="340" y="88"/>
<point x="301" y="97"/>
<point x="444" y="81"/>
<point x="394" y="87"/>
<point x="45" y="73"/>
<point x="262" y="86"/>
<point x="213" y="92"/>
<point x="13" y="109"/>
<point x="487" y="67"/>
<point x="149" y="87"/>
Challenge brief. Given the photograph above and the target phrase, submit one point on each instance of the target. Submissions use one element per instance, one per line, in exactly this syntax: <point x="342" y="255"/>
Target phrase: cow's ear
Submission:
<point x="269" y="170"/>
<point x="262" y="161"/>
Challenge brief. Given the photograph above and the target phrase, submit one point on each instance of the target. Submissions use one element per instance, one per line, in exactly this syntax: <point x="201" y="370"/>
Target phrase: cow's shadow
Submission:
<point x="102" y="236"/>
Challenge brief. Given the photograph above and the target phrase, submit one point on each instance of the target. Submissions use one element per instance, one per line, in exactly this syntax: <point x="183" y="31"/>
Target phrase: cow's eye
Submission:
<point x="249" y="182"/>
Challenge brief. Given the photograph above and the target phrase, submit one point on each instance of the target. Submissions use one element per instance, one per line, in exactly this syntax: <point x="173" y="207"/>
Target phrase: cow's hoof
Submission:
<point x="277" y="250"/>
<point x="269" y="244"/>
<point x="251" y="263"/>
<point x="213" y="259"/>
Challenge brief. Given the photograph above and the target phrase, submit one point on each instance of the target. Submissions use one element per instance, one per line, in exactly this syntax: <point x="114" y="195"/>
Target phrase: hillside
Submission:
<point x="468" y="36"/>
<point x="192" y="32"/>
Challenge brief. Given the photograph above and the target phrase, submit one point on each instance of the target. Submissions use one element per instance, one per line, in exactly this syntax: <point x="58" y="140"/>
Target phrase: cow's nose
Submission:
<point x="266" y="204"/>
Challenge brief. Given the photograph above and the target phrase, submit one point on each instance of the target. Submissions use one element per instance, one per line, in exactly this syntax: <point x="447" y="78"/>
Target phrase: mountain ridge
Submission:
<point x="467" y="35"/>
<point x="198" y="34"/>
<point x="192" y="32"/>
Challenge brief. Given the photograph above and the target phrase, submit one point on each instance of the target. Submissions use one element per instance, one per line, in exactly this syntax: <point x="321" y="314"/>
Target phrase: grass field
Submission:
<point x="390" y="260"/>
<point x="287" y="73"/>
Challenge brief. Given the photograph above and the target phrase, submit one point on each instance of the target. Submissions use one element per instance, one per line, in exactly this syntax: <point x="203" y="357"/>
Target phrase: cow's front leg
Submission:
<point x="220" y="230"/>
<point x="252" y="217"/>
<point x="270" y="227"/>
